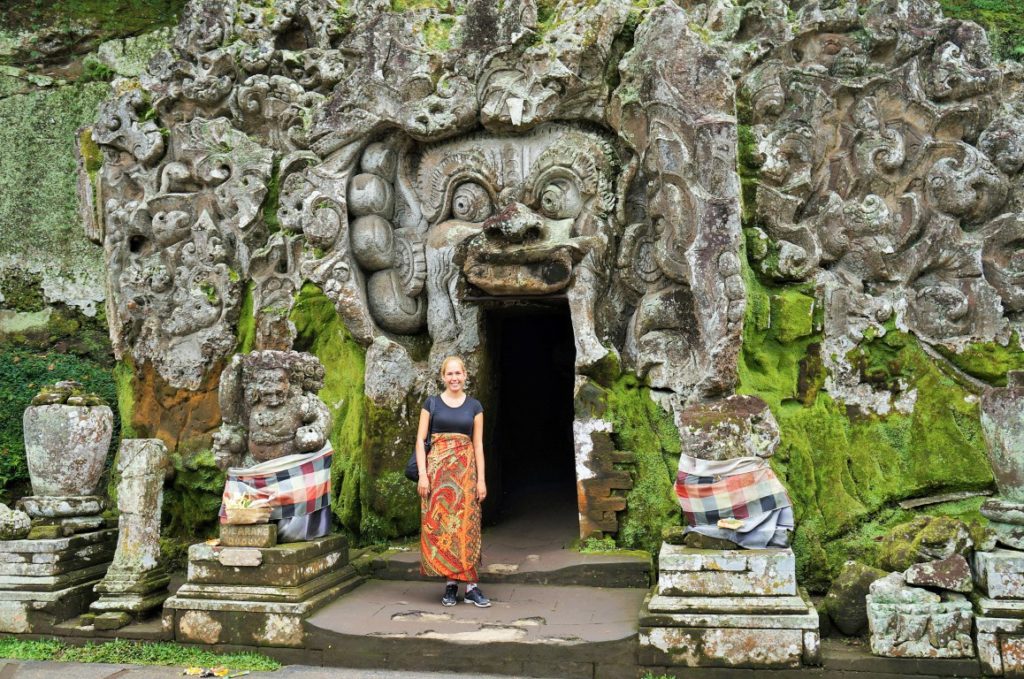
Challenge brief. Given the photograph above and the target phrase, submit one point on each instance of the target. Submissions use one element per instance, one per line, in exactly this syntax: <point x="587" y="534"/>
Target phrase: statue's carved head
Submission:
<point x="526" y="209"/>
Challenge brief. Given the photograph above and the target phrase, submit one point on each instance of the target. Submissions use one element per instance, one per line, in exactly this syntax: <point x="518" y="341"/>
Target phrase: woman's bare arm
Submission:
<point x="423" y="485"/>
<point x="478" y="449"/>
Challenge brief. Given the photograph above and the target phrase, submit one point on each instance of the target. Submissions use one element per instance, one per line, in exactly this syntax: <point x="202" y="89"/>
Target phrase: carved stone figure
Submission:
<point x="270" y="408"/>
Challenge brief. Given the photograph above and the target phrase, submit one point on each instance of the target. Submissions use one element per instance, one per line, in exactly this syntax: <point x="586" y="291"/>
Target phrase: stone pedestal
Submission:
<point x="258" y="596"/>
<point x="44" y="582"/>
<point x="135" y="583"/>
<point x="999" y="611"/>
<point x="910" y="622"/>
<point x="728" y="608"/>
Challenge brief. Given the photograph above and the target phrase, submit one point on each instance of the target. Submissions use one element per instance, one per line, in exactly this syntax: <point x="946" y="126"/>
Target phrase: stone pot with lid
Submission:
<point x="67" y="437"/>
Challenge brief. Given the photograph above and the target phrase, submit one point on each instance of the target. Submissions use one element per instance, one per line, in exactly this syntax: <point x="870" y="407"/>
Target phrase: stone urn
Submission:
<point x="67" y="436"/>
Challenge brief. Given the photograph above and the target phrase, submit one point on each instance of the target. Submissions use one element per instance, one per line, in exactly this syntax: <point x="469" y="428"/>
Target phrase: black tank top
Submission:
<point x="448" y="420"/>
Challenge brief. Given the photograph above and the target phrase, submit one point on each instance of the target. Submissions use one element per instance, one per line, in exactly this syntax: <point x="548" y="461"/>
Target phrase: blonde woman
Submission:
<point x="453" y="487"/>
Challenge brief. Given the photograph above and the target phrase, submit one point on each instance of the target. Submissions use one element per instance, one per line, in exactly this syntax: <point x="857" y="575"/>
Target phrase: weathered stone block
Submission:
<point x="722" y="647"/>
<point x="1000" y="573"/>
<point x="253" y="535"/>
<point x="1001" y="646"/>
<point x="54" y="507"/>
<point x="246" y="557"/>
<point x="112" y="620"/>
<point x="908" y="622"/>
<point x="258" y="595"/>
<point x="952" y="574"/>
<point x="253" y="616"/>
<point x="287" y="565"/>
<point x="754" y="572"/>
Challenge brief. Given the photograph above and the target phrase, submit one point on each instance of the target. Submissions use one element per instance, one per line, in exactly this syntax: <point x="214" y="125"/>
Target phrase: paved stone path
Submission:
<point x="12" y="669"/>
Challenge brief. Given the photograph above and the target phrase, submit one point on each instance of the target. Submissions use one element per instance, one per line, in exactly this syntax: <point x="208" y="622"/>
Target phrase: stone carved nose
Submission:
<point x="516" y="223"/>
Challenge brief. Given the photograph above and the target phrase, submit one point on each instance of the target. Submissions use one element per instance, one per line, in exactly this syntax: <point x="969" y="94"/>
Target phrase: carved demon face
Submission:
<point x="526" y="209"/>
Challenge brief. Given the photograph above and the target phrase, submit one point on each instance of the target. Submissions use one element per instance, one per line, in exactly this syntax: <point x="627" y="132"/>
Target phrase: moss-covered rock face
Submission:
<point x="372" y="499"/>
<point x="641" y="426"/>
<point x="926" y="538"/>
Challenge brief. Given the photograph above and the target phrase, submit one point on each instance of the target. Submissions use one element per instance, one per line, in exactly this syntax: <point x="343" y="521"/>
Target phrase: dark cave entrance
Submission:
<point x="531" y="469"/>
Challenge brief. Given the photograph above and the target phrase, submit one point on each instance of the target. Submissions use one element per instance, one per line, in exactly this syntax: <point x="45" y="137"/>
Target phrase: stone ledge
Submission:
<point x="270" y="594"/>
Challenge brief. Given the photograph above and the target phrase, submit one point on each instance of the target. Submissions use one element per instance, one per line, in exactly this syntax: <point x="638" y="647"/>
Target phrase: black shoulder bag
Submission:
<point x="412" y="470"/>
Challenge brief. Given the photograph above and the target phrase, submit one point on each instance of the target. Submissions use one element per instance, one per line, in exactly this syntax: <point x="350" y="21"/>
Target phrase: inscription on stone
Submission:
<point x="253" y="535"/>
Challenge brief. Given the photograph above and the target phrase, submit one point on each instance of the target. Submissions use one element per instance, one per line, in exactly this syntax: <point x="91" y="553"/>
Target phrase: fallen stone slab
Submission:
<point x="953" y="574"/>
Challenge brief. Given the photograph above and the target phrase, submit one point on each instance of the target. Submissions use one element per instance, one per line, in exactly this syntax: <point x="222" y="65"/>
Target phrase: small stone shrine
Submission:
<point x="999" y="574"/>
<point x="728" y="607"/>
<point x="135" y="583"/>
<point x="49" y="575"/>
<point x="245" y="588"/>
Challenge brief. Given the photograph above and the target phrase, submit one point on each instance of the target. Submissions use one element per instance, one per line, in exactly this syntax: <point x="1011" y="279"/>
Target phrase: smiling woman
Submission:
<point x="454" y="485"/>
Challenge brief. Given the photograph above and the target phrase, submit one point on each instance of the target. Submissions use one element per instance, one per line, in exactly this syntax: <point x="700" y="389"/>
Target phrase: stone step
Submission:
<point x="548" y="567"/>
<point x="530" y="630"/>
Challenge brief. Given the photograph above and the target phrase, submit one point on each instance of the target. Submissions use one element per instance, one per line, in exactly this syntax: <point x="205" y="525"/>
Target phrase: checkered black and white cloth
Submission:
<point x="295" y="485"/>
<point x="706" y="499"/>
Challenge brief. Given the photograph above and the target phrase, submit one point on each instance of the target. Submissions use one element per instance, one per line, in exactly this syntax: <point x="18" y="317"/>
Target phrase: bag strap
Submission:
<point x="431" y="401"/>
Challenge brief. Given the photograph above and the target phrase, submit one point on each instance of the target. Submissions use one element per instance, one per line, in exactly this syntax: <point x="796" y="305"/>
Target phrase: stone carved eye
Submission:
<point x="471" y="203"/>
<point x="560" y="199"/>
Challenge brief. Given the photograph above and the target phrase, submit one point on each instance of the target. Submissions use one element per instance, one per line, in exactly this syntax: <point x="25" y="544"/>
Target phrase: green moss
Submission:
<point x="90" y="150"/>
<point x="1002" y="19"/>
<point x="792" y="315"/>
<point x="440" y="5"/>
<point x="124" y="375"/>
<point x="640" y="426"/>
<point x="371" y="497"/>
<point x="988" y="361"/>
<point x="191" y="501"/>
<point x="94" y="70"/>
<point x="39" y="221"/>
<point x="322" y="333"/>
<point x="110" y="17"/>
<point x="842" y="467"/>
<point x="22" y="291"/>
<point x="437" y="32"/>
<point x="246" y="322"/>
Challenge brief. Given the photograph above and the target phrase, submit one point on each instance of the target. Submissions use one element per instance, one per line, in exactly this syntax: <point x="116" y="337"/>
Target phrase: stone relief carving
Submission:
<point x="408" y="176"/>
<point x="270" y="408"/>
<point x="391" y="198"/>
<point x="887" y="172"/>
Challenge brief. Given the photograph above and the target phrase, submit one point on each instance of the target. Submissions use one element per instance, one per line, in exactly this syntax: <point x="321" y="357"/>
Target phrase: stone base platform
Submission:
<point x="999" y="614"/>
<point x="729" y="631"/>
<point x="258" y="596"/>
<point x="530" y="630"/>
<point x="44" y="582"/>
<point x="728" y="608"/>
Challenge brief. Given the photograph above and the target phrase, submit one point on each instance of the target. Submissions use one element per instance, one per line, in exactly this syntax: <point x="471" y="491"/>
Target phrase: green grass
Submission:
<point x="121" y="651"/>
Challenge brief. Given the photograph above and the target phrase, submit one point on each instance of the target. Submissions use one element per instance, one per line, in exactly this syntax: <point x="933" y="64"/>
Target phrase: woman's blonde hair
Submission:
<point x="449" y="359"/>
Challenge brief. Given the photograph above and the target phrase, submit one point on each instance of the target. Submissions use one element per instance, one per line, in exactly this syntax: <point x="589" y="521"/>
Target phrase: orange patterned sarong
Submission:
<point x="450" y="517"/>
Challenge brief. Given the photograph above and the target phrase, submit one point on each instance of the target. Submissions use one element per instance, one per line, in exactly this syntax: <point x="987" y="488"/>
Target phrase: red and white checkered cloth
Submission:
<point x="294" y="485"/>
<point x="706" y="499"/>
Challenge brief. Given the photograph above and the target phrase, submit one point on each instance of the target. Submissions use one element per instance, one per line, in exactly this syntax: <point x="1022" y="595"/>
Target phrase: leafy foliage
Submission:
<point x="1002" y="19"/>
